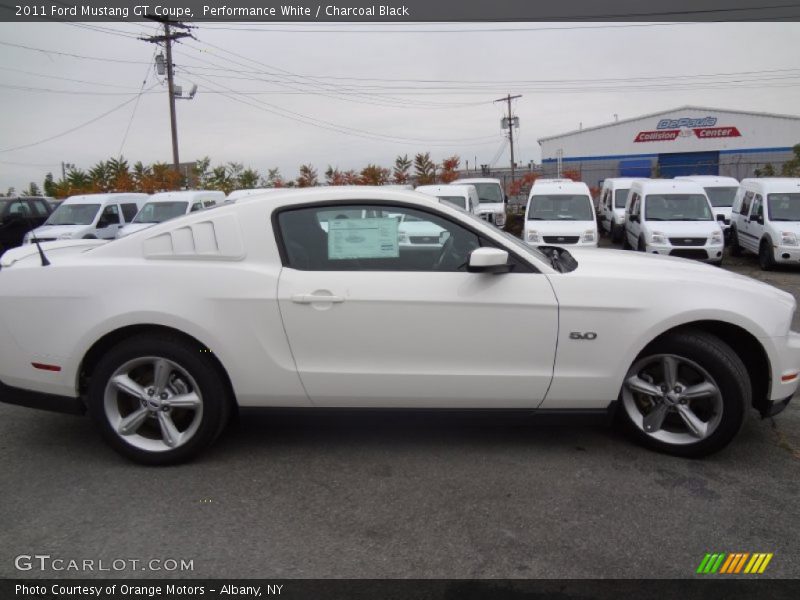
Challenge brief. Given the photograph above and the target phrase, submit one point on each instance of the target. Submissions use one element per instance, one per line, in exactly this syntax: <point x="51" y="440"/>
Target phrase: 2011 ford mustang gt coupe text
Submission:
<point x="308" y="298"/>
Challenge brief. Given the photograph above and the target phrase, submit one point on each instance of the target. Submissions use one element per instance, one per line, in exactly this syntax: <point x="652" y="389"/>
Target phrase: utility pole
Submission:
<point x="511" y="122"/>
<point x="167" y="40"/>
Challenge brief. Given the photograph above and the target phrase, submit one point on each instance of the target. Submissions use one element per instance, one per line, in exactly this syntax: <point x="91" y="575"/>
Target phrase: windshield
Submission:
<point x="677" y="207"/>
<point x="517" y="242"/>
<point x="560" y="207"/>
<point x="73" y="214"/>
<point x="783" y="207"/>
<point x="721" y="196"/>
<point x="489" y="192"/>
<point x="158" y="212"/>
<point x="620" y="197"/>
<point x="457" y="201"/>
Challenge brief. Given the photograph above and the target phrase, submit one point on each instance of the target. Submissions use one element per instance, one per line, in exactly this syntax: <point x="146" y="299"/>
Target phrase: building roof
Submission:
<point x="688" y="107"/>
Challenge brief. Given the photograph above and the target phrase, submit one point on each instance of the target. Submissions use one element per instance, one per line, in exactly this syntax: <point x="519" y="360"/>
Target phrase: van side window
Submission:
<point x="110" y="214"/>
<point x="758" y="207"/>
<point x="129" y="211"/>
<point x="748" y="198"/>
<point x="196" y="206"/>
<point x="209" y="203"/>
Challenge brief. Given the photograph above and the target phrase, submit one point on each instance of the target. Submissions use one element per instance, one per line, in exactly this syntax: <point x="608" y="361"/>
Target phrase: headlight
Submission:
<point x="65" y="236"/>
<point x="716" y="238"/>
<point x="658" y="238"/>
<point x="788" y="238"/>
<point x="500" y="219"/>
<point x="533" y="236"/>
<point x="588" y="235"/>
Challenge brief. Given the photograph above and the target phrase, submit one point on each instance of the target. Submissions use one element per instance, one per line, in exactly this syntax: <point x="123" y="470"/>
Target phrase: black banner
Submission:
<point x="401" y="10"/>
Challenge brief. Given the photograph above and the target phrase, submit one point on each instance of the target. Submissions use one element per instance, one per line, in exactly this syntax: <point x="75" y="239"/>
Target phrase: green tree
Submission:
<point x="49" y="185"/>
<point x="33" y="190"/>
<point x="248" y="179"/>
<point x="101" y="177"/>
<point x="791" y="168"/>
<point x="402" y="167"/>
<point x="767" y="171"/>
<point x="11" y="192"/>
<point x="424" y="169"/>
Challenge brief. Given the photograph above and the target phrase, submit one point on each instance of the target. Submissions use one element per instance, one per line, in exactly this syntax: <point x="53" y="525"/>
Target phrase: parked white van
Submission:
<point x="673" y="217"/>
<point x="491" y="196"/>
<point x="611" y="206"/>
<point x="772" y="232"/>
<point x="464" y="197"/>
<point x="89" y="216"/>
<point x="168" y="205"/>
<point x="560" y="214"/>
<point x="721" y="192"/>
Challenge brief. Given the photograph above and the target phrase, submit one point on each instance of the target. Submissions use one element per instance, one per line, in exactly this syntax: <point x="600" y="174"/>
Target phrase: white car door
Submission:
<point x="375" y="323"/>
<point x="633" y="223"/>
<point x="109" y="223"/>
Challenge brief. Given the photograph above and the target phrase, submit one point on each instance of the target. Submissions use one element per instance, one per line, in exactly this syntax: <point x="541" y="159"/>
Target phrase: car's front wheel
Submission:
<point x="686" y="394"/>
<point x="766" y="259"/>
<point x="736" y="249"/>
<point x="158" y="399"/>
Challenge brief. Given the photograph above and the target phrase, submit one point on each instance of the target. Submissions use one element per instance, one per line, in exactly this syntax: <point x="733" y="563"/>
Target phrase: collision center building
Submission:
<point x="691" y="140"/>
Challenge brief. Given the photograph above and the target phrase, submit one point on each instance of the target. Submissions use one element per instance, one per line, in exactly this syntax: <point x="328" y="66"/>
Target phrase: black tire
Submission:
<point x="731" y="379"/>
<point x="625" y="243"/>
<point x="203" y="372"/>
<point x="616" y="233"/>
<point x="641" y="246"/>
<point x="736" y="249"/>
<point x="90" y="237"/>
<point x="766" y="259"/>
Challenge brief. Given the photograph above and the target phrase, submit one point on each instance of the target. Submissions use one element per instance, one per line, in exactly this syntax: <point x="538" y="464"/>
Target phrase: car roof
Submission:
<point x="251" y="192"/>
<point x="622" y="181"/>
<point x="710" y="180"/>
<point x="102" y="198"/>
<point x="668" y="186"/>
<point x="560" y="187"/>
<point x="476" y="180"/>
<point x="774" y="184"/>
<point x="338" y="193"/>
<point x="464" y="190"/>
<point x="187" y="195"/>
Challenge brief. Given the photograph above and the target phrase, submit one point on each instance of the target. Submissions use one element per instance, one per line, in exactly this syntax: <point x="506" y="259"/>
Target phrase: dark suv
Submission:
<point x="18" y="215"/>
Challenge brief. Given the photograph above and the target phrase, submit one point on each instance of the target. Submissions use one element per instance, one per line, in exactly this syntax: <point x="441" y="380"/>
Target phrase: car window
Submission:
<point x="196" y="206"/>
<point x="677" y="207"/>
<point x="783" y="207"/>
<point x="19" y="208"/>
<point x="40" y="208"/>
<point x="208" y="203"/>
<point x="758" y="207"/>
<point x="129" y="211"/>
<point x="560" y="207"/>
<point x="373" y="238"/>
<point x="110" y="214"/>
<point x="620" y="196"/>
<point x="748" y="198"/>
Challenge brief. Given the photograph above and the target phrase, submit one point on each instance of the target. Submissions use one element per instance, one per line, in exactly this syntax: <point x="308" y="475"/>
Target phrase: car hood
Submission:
<point x="133" y="227"/>
<point x="559" y="227"/>
<point x="668" y="269"/>
<point x="491" y="207"/>
<point x="684" y="228"/>
<point x="56" y="230"/>
<point x="793" y="226"/>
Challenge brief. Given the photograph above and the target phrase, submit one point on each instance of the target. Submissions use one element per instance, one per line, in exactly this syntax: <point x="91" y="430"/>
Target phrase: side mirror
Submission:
<point x="505" y="198"/>
<point x="488" y="260"/>
<point x="760" y="219"/>
<point x="634" y="218"/>
<point x="720" y="217"/>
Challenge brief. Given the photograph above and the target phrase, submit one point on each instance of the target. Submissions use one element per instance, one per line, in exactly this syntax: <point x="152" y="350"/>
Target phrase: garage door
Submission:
<point x="688" y="163"/>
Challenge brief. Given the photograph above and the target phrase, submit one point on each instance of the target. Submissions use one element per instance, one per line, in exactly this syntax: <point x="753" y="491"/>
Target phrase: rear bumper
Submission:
<point x="40" y="400"/>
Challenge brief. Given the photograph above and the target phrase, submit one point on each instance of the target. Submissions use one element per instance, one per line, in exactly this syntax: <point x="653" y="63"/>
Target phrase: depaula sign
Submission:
<point x="668" y="130"/>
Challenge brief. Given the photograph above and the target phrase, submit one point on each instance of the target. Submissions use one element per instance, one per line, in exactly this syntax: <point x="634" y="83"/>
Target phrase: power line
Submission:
<point x="98" y="83"/>
<point x="135" y="106"/>
<point x="71" y="55"/>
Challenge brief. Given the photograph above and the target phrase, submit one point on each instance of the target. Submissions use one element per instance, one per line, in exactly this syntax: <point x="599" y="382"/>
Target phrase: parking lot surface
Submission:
<point x="394" y="494"/>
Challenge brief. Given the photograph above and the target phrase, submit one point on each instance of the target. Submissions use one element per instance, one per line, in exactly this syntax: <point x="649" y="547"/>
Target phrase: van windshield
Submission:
<point x="560" y="207"/>
<point x="73" y="214"/>
<point x="158" y="212"/>
<point x="620" y="197"/>
<point x="721" y="196"/>
<point x="489" y="193"/>
<point x="783" y="207"/>
<point x="677" y="207"/>
<point x="457" y="201"/>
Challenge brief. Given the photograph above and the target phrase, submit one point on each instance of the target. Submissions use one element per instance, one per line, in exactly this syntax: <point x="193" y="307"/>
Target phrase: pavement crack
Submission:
<point x="783" y="442"/>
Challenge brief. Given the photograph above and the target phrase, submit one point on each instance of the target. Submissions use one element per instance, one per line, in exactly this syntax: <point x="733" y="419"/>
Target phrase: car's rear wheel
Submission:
<point x="766" y="260"/>
<point x="685" y="394"/>
<point x="158" y="399"/>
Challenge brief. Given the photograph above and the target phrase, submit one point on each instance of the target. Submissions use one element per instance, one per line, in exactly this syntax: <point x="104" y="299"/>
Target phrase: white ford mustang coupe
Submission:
<point x="307" y="299"/>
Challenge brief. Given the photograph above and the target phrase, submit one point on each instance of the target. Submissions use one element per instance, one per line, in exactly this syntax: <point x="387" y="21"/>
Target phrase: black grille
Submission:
<point x="424" y="239"/>
<point x="687" y="241"/>
<point x="698" y="254"/>
<point x="561" y="239"/>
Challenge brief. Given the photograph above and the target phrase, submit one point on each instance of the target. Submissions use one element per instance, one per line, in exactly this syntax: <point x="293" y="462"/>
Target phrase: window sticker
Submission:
<point x="362" y="238"/>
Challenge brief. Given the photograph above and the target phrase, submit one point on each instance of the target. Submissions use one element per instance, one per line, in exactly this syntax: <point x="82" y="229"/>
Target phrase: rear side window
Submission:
<point x="40" y="208"/>
<point x="748" y="198"/>
<point x="129" y="211"/>
<point x="111" y="214"/>
<point x="209" y="203"/>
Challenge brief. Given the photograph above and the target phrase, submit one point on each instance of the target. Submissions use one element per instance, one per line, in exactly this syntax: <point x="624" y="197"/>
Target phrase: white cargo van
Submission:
<point x="89" y="216"/>
<point x="464" y="197"/>
<point x="168" y="205"/>
<point x="560" y="214"/>
<point x="721" y="192"/>
<point x="766" y="220"/>
<point x="491" y="196"/>
<point x="673" y="217"/>
<point x="611" y="207"/>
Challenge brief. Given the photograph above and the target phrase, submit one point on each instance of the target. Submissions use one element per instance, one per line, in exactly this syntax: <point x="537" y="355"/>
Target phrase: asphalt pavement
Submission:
<point x="397" y="494"/>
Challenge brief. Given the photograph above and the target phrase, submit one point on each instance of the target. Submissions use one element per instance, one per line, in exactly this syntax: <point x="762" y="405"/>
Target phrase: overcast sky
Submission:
<point x="344" y="76"/>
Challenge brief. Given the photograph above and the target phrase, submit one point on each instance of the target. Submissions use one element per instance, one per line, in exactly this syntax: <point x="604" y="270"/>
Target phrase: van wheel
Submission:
<point x="766" y="260"/>
<point x="641" y="247"/>
<point x="616" y="233"/>
<point x="685" y="394"/>
<point x="625" y="243"/>
<point x="157" y="399"/>
<point x="736" y="249"/>
<point x="90" y="237"/>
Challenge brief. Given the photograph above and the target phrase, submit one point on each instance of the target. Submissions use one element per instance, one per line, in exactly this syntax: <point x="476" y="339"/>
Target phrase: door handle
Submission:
<point x="311" y="298"/>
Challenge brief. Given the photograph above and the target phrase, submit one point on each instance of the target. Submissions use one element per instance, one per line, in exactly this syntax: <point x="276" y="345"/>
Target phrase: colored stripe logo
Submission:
<point x="734" y="563"/>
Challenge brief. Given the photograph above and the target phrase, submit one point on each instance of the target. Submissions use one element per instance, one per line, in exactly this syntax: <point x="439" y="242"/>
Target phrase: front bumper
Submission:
<point x="787" y="254"/>
<point x="40" y="400"/>
<point x="706" y="253"/>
